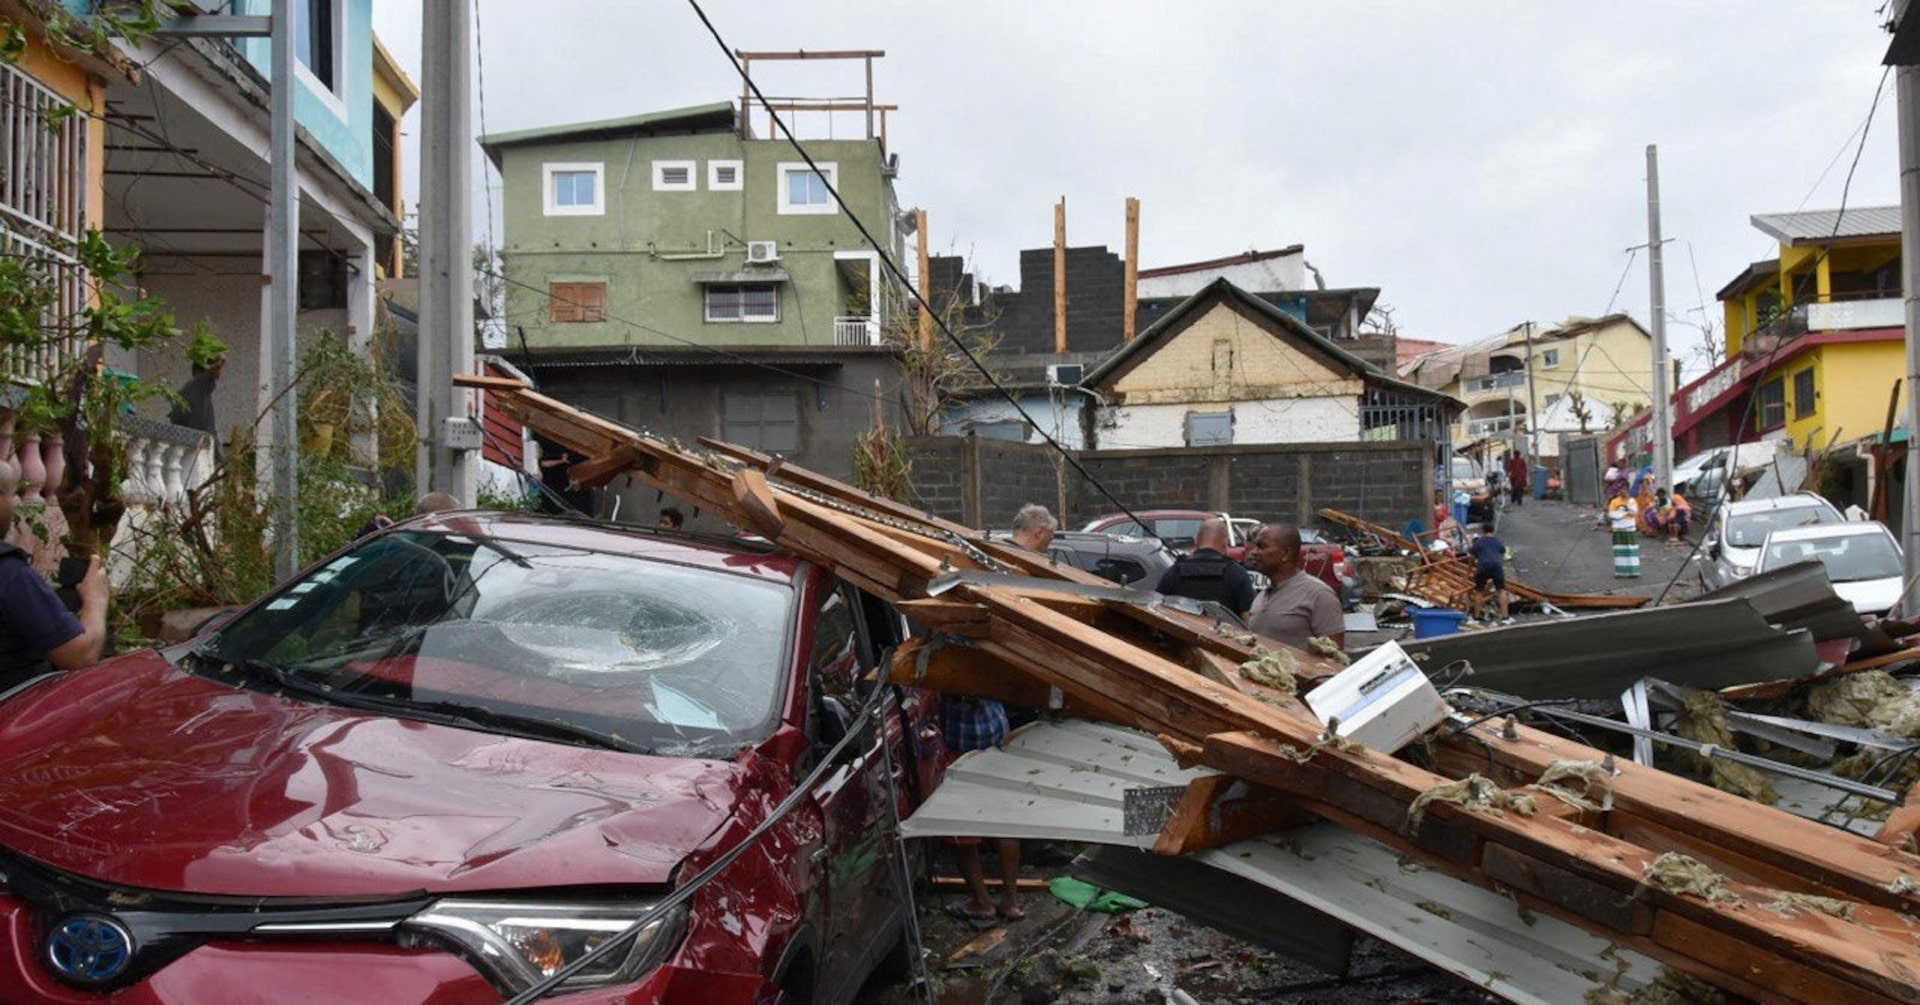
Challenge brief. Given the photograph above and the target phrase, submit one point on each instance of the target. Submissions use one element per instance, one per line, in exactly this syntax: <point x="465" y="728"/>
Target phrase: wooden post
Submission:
<point x="1060" y="276"/>
<point x="1133" y="269"/>
<point x="926" y="285"/>
<point x="746" y="95"/>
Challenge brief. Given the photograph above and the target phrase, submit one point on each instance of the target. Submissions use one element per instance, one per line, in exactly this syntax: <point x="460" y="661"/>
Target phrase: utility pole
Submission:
<point x="1907" y="89"/>
<point x="1533" y="407"/>
<point x="283" y="246"/>
<point x="1656" y="273"/>
<point x="448" y="434"/>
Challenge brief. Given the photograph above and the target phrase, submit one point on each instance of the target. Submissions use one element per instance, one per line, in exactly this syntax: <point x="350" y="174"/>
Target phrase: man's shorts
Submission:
<point x="1489" y="574"/>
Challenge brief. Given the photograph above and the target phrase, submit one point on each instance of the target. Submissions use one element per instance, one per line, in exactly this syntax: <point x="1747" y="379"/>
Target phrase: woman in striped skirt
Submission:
<point x="1623" y="513"/>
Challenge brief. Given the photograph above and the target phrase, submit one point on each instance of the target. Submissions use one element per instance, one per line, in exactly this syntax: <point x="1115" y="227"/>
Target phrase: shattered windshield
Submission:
<point x="1750" y="530"/>
<point x="1848" y="559"/>
<point x="663" y="657"/>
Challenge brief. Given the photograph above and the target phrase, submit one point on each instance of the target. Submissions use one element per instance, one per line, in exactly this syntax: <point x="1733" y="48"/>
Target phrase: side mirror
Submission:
<point x="1712" y="547"/>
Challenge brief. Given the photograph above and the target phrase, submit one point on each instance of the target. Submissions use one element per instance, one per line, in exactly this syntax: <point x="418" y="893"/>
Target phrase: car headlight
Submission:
<point x="519" y="943"/>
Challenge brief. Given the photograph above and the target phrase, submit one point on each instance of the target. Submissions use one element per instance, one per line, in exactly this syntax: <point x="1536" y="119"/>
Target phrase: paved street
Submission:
<point x="1556" y="547"/>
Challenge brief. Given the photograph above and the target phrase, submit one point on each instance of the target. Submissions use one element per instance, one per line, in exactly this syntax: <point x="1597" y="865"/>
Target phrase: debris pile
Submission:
<point x="1021" y="630"/>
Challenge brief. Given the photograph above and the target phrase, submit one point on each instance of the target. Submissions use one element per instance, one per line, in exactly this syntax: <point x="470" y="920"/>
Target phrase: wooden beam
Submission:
<point x="1218" y="810"/>
<point x="1131" y="304"/>
<point x="756" y="499"/>
<point x="821" y="54"/>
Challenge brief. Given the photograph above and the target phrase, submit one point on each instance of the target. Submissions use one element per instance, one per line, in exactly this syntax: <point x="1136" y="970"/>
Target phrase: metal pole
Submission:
<point x="1656" y="274"/>
<point x="283" y="243"/>
<point x="446" y="245"/>
<point x="1907" y="90"/>
<point x="1533" y="407"/>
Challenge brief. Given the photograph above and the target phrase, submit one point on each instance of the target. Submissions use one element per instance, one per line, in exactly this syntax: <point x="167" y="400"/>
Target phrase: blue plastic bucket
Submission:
<point x="1429" y="622"/>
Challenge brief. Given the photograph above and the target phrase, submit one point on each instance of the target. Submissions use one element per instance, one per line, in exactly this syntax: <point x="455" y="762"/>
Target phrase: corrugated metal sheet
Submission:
<point x="1815" y="225"/>
<point x="1067" y="781"/>
<point x="1707" y="645"/>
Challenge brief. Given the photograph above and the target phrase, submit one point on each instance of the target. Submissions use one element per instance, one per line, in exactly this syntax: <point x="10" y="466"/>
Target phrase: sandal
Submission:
<point x="959" y="912"/>
<point x="1010" y="913"/>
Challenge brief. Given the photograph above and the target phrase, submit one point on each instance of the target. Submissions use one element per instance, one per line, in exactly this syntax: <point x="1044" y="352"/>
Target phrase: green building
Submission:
<point x="673" y="272"/>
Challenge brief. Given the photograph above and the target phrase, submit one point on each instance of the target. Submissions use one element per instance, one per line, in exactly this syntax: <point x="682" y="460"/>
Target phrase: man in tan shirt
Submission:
<point x="1294" y="607"/>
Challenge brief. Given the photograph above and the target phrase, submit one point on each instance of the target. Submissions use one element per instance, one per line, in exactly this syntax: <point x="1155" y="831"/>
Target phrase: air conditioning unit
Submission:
<point x="763" y="251"/>
<point x="1065" y="374"/>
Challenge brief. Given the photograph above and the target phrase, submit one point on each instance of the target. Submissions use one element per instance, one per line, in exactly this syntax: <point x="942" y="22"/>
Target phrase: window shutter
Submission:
<point x="593" y="301"/>
<point x="562" y="305"/>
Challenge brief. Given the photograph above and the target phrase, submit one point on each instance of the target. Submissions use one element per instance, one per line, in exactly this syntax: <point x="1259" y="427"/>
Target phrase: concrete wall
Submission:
<point x="688" y="401"/>
<point x="1272" y="420"/>
<point x="649" y="246"/>
<point x="208" y="290"/>
<point x="981" y="483"/>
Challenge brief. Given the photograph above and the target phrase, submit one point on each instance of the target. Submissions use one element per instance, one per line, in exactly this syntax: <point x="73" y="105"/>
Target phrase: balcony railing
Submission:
<point x="855" y="331"/>
<point x="1498" y="381"/>
<point x="1493" y="427"/>
<point x="43" y="211"/>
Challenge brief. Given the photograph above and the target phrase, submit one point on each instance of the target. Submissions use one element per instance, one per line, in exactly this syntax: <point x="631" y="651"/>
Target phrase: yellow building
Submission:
<point x="1814" y="353"/>
<point x="1571" y="377"/>
<point x="393" y="94"/>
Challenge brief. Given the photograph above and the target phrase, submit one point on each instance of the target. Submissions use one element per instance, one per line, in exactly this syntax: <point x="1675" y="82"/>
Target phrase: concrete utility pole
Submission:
<point x="1661" y="425"/>
<point x="277" y="329"/>
<point x="1907" y="89"/>
<point x="1533" y="405"/>
<point x="447" y="433"/>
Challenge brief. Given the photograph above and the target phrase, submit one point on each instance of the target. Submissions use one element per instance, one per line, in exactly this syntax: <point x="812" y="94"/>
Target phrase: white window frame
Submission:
<point x="828" y="170"/>
<point x="706" y="306"/>
<point x="1549" y="358"/>
<point x="599" y="172"/>
<point x="660" y="183"/>
<point x="714" y="184"/>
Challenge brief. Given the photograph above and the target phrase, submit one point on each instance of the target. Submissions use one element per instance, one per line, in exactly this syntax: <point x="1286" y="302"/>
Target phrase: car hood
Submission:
<point x="136" y="773"/>
<point x="1870" y="596"/>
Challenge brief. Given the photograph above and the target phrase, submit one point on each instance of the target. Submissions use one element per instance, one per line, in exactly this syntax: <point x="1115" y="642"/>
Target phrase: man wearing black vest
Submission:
<point x="37" y="633"/>
<point x="1206" y="573"/>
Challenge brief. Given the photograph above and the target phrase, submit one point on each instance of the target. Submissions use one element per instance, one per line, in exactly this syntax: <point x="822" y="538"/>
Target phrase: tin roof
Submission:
<point x="1816" y="226"/>
<point x="711" y="117"/>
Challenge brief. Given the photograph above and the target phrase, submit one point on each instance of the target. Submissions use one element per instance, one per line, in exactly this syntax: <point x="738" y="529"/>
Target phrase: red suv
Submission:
<point x="1319" y="557"/>
<point x="454" y="758"/>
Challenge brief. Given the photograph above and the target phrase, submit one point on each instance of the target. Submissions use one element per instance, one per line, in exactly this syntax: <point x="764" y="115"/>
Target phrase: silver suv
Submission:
<point x="1740" y="528"/>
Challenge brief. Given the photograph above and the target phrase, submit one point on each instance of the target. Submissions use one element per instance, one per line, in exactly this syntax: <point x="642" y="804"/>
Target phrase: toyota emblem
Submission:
<point x="89" y="949"/>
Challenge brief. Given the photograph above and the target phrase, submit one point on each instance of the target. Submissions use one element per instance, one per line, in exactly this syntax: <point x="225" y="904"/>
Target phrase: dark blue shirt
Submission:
<point x="1488" y="552"/>
<point x="33" y="621"/>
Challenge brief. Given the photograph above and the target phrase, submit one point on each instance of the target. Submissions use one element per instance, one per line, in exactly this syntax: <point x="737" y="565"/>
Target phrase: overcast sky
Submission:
<point x="1482" y="163"/>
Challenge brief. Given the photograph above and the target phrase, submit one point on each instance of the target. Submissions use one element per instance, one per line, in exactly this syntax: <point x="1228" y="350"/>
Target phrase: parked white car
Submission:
<point x="1740" y="529"/>
<point x="1862" y="559"/>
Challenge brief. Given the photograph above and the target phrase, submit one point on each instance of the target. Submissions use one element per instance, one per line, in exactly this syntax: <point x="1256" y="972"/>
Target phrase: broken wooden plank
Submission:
<point x="1218" y="810"/>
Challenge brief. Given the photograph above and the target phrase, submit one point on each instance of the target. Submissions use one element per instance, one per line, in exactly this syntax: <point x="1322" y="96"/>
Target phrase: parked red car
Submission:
<point x="451" y="759"/>
<point x="1319" y="557"/>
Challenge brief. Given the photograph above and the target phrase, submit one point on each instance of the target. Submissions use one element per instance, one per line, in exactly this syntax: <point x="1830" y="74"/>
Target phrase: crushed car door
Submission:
<point x="853" y="878"/>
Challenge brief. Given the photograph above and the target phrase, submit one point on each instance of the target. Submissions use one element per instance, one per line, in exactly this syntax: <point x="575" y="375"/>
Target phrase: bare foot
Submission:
<point x="1012" y="913"/>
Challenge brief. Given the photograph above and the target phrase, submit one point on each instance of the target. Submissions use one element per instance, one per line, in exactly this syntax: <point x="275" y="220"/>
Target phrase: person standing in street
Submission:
<point x="1295" y="607"/>
<point x="1517" y="477"/>
<point x="1623" y="515"/>
<point x="969" y="724"/>
<point x="1206" y="573"/>
<point x="37" y="632"/>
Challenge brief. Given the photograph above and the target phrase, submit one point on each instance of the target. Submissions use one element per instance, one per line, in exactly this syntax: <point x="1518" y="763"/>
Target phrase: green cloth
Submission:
<point x="1087" y="897"/>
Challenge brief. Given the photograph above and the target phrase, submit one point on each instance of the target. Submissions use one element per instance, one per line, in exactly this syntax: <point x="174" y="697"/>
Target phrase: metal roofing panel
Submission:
<point x="1066" y="781"/>
<point x="1816" y="225"/>
<point x="1708" y="645"/>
